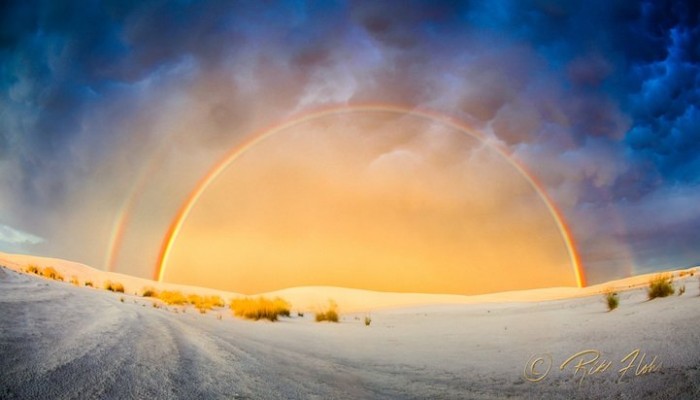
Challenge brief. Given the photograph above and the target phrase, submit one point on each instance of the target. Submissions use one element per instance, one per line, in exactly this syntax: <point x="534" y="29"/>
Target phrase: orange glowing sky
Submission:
<point x="374" y="201"/>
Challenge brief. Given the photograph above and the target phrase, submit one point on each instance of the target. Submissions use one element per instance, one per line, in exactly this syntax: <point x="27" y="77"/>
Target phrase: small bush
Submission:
<point x="33" y="269"/>
<point x="368" y="320"/>
<point x="205" y="303"/>
<point x="260" y="308"/>
<point x="300" y="314"/>
<point x="330" y="314"/>
<point x="121" y="299"/>
<point x="149" y="292"/>
<point x="114" y="286"/>
<point x="51" y="273"/>
<point x="611" y="299"/>
<point x="74" y="280"/>
<point x="681" y="290"/>
<point x="660" y="286"/>
<point x="172" y="297"/>
<point x="88" y="283"/>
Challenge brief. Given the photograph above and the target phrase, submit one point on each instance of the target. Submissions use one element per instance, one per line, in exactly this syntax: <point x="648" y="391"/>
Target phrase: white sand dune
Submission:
<point x="83" y="273"/>
<point x="61" y="341"/>
<point x="311" y="298"/>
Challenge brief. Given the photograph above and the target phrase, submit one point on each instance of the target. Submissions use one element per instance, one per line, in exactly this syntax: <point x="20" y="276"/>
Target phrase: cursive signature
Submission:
<point x="590" y="362"/>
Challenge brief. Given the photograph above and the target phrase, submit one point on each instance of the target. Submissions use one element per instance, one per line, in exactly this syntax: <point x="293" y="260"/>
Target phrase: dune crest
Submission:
<point x="315" y="297"/>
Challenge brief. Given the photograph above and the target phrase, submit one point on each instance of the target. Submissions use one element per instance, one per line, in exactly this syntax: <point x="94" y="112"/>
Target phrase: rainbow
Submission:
<point x="218" y="168"/>
<point x="123" y="216"/>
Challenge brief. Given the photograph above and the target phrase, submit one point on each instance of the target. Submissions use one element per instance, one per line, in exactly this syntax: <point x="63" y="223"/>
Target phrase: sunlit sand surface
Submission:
<point x="58" y="341"/>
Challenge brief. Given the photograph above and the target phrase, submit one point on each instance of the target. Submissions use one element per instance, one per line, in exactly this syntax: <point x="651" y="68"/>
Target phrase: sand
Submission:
<point x="62" y="341"/>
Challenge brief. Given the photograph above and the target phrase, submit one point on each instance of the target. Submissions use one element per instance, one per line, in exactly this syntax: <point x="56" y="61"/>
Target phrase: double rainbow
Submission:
<point x="221" y="166"/>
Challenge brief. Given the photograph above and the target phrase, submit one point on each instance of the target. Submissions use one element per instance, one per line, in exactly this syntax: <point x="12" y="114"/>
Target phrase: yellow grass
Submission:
<point x="205" y="303"/>
<point x="114" y="286"/>
<point x="51" y="273"/>
<point x="330" y="314"/>
<point x="74" y="280"/>
<point x="260" y="308"/>
<point x="172" y="297"/>
<point x="33" y="269"/>
<point x="660" y="286"/>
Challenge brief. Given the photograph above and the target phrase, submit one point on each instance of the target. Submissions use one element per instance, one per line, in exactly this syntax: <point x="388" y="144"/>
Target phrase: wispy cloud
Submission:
<point x="14" y="236"/>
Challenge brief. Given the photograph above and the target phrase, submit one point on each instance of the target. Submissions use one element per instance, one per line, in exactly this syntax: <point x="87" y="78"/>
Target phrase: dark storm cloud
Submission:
<point x="599" y="98"/>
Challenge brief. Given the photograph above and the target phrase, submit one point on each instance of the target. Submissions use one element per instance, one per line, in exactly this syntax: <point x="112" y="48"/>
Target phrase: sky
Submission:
<point x="111" y="112"/>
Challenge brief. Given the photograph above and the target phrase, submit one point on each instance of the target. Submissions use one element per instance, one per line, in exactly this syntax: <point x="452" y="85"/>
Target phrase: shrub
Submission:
<point x="300" y="314"/>
<point x="330" y="315"/>
<point x="121" y="299"/>
<point x="681" y="290"/>
<point x="88" y="283"/>
<point x="611" y="299"/>
<point x="660" y="286"/>
<point x="51" y="273"/>
<point x="149" y="292"/>
<point x="33" y="269"/>
<point x="172" y="297"/>
<point x="260" y="308"/>
<point x="74" y="280"/>
<point x="368" y="320"/>
<point x="114" y="286"/>
<point x="205" y="303"/>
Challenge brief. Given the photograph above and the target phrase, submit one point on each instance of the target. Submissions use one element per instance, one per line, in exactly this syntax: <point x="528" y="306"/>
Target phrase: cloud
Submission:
<point x="14" y="236"/>
<point x="599" y="100"/>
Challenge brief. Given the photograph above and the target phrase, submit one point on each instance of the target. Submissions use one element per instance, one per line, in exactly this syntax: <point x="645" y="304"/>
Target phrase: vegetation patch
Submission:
<point x="260" y="308"/>
<point x="660" y="286"/>
<point x="33" y="269"/>
<point x="172" y="297"/>
<point x="114" y="286"/>
<point x="51" y="273"/>
<point x="205" y="303"/>
<point x="611" y="299"/>
<point x="330" y="314"/>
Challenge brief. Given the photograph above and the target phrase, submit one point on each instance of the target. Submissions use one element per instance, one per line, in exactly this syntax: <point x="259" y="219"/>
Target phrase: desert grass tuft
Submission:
<point x="330" y="314"/>
<point x="368" y="320"/>
<point x="33" y="269"/>
<point x="660" y="286"/>
<point x="611" y="299"/>
<point x="205" y="303"/>
<point x="74" y="280"/>
<point x="681" y="290"/>
<point x="149" y="292"/>
<point x="173" y="297"/>
<point x="51" y="273"/>
<point x="114" y="286"/>
<point x="260" y="308"/>
<point x="88" y="283"/>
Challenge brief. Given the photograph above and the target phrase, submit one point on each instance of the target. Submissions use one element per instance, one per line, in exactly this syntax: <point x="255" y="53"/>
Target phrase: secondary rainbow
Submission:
<point x="218" y="168"/>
